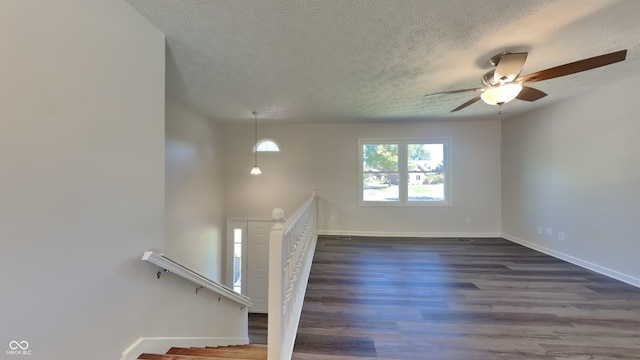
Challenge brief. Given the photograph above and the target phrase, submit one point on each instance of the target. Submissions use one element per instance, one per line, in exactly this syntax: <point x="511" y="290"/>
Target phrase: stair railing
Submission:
<point x="291" y="247"/>
<point x="202" y="281"/>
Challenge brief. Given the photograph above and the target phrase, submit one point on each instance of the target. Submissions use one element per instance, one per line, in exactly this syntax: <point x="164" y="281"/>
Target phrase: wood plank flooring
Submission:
<point x="460" y="299"/>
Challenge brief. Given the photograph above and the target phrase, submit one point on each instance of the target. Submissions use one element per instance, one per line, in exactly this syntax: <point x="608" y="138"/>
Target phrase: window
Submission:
<point x="404" y="172"/>
<point x="266" y="145"/>
<point x="237" y="260"/>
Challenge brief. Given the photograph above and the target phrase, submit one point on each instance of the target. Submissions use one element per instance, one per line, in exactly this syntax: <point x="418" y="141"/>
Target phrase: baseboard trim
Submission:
<point x="411" y="234"/>
<point x="631" y="280"/>
<point x="160" y="345"/>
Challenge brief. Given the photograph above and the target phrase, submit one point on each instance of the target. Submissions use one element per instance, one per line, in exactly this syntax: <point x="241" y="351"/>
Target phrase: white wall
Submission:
<point x="326" y="156"/>
<point x="194" y="193"/>
<point x="82" y="184"/>
<point x="573" y="167"/>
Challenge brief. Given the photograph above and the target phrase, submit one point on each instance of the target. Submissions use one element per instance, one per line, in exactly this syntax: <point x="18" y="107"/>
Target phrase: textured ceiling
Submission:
<point x="330" y="60"/>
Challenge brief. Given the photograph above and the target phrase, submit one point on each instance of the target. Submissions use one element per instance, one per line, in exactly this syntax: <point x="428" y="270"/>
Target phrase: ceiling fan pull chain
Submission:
<point x="499" y="110"/>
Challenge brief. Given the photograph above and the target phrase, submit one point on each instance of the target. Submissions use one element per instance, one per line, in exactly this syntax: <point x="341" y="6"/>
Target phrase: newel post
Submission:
<point x="276" y="294"/>
<point x="277" y="215"/>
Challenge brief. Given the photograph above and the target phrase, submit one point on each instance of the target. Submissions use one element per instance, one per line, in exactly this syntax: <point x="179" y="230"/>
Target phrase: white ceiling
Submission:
<point x="340" y="60"/>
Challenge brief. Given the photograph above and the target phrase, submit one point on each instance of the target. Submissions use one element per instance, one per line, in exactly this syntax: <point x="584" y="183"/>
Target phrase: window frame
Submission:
<point x="403" y="186"/>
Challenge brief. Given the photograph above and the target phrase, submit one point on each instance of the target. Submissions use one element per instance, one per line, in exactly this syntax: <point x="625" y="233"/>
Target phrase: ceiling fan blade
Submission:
<point x="574" y="67"/>
<point x="454" y="91"/>
<point x="530" y="94"/>
<point x="509" y="67"/>
<point x="466" y="104"/>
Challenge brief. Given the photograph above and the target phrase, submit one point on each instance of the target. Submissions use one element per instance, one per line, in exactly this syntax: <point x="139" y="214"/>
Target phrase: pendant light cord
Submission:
<point x="255" y="170"/>
<point x="255" y="142"/>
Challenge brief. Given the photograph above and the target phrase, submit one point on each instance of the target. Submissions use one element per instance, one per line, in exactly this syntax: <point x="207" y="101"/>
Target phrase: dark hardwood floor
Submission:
<point x="459" y="299"/>
<point x="258" y="328"/>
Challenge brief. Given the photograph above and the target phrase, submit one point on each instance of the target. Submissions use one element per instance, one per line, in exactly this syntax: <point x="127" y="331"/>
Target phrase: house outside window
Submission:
<point x="406" y="172"/>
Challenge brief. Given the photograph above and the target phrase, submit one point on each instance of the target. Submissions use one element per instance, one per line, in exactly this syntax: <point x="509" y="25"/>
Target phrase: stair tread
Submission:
<point x="233" y="352"/>
<point x="147" y="356"/>
<point x="230" y="352"/>
<point x="238" y="346"/>
<point x="246" y="346"/>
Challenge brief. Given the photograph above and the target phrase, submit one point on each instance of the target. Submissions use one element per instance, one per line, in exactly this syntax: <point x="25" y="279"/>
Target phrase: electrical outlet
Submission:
<point x="549" y="232"/>
<point x="540" y="230"/>
<point x="468" y="220"/>
<point x="332" y="218"/>
<point x="561" y="235"/>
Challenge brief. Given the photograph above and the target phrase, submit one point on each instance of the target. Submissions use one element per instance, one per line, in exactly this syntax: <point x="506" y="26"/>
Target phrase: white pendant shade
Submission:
<point x="501" y="94"/>
<point x="255" y="170"/>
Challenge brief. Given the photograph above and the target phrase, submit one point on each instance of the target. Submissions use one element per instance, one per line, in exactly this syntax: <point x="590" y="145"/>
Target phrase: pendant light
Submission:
<point x="255" y="170"/>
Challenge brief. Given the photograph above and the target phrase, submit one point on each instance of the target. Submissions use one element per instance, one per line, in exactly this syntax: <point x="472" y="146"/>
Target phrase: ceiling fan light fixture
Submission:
<point x="501" y="94"/>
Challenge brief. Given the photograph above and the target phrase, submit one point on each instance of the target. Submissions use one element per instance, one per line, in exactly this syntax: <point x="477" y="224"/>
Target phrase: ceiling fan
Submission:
<point x="504" y="83"/>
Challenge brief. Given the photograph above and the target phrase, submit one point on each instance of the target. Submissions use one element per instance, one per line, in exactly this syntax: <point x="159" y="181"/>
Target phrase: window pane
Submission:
<point x="426" y="191"/>
<point x="237" y="274"/>
<point x="380" y="186"/>
<point x="425" y="165"/>
<point x="379" y="157"/>
<point x="237" y="260"/>
<point x="267" y="145"/>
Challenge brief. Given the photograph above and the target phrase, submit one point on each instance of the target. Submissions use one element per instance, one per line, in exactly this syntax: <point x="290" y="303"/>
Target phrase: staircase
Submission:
<point x="236" y="352"/>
